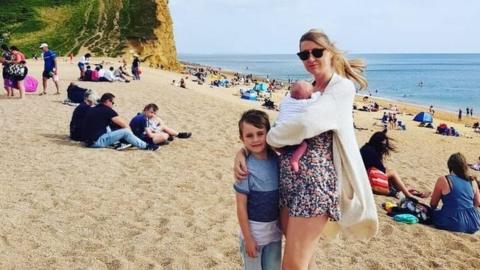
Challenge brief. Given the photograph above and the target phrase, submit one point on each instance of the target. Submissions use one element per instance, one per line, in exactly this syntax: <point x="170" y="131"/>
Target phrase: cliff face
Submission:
<point x="159" y="49"/>
<point x="116" y="28"/>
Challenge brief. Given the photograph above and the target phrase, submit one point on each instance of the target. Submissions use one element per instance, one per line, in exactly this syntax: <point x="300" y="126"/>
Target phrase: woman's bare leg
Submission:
<point x="395" y="179"/>
<point x="302" y="237"/>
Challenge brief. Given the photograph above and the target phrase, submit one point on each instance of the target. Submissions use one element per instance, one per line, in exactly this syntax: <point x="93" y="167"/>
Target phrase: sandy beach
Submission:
<point x="64" y="206"/>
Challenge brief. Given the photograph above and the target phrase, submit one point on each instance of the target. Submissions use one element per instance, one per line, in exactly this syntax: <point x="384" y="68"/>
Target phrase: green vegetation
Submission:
<point x="102" y="26"/>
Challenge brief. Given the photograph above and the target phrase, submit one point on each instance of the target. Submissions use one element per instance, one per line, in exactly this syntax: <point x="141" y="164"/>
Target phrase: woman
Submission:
<point x="373" y="153"/>
<point x="136" y="67"/>
<point x="18" y="58"/>
<point x="312" y="197"/>
<point x="460" y="197"/>
<point x="6" y="59"/>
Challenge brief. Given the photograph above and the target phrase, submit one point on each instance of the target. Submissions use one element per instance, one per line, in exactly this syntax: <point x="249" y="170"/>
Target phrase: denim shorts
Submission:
<point x="269" y="257"/>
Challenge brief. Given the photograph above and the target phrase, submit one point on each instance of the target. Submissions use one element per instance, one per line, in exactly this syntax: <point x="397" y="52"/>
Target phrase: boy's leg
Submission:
<point x="250" y="263"/>
<point x="56" y="86"/>
<point x="169" y="131"/>
<point x="271" y="256"/>
<point x="44" y="81"/>
<point x="297" y="154"/>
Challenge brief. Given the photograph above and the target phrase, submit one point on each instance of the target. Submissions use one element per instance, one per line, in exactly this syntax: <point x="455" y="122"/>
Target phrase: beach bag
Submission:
<point x="30" y="84"/>
<point x="412" y="206"/>
<point x="17" y="71"/>
<point x="378" y="181"/>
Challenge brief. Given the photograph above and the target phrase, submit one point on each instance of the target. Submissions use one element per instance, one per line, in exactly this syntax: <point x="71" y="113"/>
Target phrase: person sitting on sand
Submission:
<point x="475" y="166"/>
<point x="98" y="123"/>
<point x="460" y="197"/>
<point x="373" y="154"/>
<point x="88" y="74"/>
<point x="150" y="128"/>
<point x="78" y="116"/>
<point x="291" y="106"/>
<point x="121" y="75"/>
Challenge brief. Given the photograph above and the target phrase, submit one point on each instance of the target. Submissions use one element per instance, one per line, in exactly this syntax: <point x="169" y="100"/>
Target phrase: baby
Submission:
<point x="299" y="99"/>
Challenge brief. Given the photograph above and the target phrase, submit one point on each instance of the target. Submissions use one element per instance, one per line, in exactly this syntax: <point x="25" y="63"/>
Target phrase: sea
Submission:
<point x="445" y="81"/>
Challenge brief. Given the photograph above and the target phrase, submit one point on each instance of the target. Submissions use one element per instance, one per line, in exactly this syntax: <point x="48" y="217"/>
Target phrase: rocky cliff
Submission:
<point x="116" y="28"/>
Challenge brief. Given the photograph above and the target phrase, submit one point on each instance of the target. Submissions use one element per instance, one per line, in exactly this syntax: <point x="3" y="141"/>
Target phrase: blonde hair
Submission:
<point x="91" y="97"/>
<point x="350" y="69"/>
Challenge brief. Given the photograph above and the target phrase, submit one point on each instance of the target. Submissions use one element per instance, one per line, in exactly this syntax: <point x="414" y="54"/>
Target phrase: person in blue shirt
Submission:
<point x="150" y="128"/>
<point x="50" y="69"/>
<point x="257" y="197"/>
<point x="460" y="196"/>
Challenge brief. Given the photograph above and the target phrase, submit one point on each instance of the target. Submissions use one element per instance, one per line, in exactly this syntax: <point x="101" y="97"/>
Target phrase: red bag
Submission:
<point x="378" y="181"/>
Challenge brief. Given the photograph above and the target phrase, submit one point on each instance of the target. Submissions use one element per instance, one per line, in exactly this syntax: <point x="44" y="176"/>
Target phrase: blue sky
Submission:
<point x="357" y="26"/>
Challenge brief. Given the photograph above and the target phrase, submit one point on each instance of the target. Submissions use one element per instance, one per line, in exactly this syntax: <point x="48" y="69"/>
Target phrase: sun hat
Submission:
<point x="43" y="45"/>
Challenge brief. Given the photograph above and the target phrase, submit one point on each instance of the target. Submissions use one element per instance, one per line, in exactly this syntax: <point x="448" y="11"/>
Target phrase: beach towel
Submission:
<point x="31" y="84"/>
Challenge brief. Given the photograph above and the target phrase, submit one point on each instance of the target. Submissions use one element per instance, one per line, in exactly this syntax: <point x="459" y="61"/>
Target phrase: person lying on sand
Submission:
<point x="152" y="129"/>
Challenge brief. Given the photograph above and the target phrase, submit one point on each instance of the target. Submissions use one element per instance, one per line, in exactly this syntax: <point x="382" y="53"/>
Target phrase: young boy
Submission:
<point x="150" y="128"/>
<point x="257" y="196"/>
<point x="300" y="94"/>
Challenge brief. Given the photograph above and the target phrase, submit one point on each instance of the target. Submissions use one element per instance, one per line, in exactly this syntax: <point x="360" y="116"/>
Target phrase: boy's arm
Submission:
<point x="242" y="215"/>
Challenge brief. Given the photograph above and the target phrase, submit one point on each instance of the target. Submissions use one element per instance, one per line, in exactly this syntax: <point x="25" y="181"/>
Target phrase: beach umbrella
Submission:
<point x="423" y="117"/>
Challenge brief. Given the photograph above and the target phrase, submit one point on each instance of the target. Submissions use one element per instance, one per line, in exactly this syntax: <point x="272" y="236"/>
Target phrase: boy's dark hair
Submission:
<point x="13" y="48"/>
<point x="256" y="118"/>
<point x="88" y="55"/>
<point x="458" y="164"/>
<point x="107" y="96"/>
<point x="111" y="69"/>
<point x="382" y="149"/>
<point x="152" y="106"/>
<point x="5" y="47"/>
<point x="89" y="67"/>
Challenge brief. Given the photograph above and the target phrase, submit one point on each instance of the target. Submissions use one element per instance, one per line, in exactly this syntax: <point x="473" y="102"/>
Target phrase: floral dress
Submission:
<point x="313" y="190"/>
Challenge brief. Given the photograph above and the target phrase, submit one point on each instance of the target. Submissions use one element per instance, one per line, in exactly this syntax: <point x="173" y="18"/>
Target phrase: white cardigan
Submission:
<point x="332" y="110"/>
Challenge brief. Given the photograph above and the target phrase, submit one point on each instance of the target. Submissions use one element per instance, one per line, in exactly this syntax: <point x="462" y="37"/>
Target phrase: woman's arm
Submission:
<point x="242" y="215"/>
<point x="240" y="170"/>
<point x="437" y="192"/>
<point x="317" y="118"/>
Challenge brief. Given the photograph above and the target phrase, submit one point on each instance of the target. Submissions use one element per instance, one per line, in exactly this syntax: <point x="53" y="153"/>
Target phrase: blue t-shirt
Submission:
<point x="261" y="188"/>
<point x="138" y="125"/>
<point x="49" y="58"/>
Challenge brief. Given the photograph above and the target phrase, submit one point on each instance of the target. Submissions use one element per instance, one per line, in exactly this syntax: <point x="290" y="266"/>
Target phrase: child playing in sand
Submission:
<point x="300" y="94"/>
<point x="257" y="196"/>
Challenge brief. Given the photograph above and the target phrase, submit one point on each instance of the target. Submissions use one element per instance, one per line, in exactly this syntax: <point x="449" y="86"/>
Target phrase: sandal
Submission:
<point x="42" y="93"/>
<point x="419" y="194"/>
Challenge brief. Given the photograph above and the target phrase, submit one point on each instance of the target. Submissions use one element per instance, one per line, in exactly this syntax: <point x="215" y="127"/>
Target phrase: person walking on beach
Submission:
<point x="459" y="114"/>
<point x="82" y="63"/>
<point x="6" y="59"/>
<point x="468" y="111"/>
<point x="331" y="171"/>
<point x="50" y="69"/>
<point x="257" y="197"/>
<point x="18" y="59"/>
<point x="136" y="67"/>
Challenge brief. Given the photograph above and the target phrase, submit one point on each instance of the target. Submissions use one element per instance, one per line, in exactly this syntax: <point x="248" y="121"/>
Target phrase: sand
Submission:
<point x="64" y="206"/>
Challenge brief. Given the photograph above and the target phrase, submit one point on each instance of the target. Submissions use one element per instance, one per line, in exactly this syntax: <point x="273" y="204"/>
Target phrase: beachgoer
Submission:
<point x="475" y="166"/>
<point x="18" y="59"/>
<point x="82" y="63"/>
<point x="257" y="196"/>
<point x="97" y="132"/>
<point x="182" y="83"/>
<point x="291" y="106"/>
<point x="88" y="74"/>
<point x="460" y="197"/>
<point x="50" y="69"/>
<point x="373" y="154"/>
<point x="6" y="59"/>
<point x="311" y="199"/>
<point x="78" y="116"/>
<point x="150" y="128"/>
<point x="136" y="67"/>
<point x="459" y="114"/>
<point x="70" y="57"/>
<point x="120" y="75"/>
<point x="468" y="111"/>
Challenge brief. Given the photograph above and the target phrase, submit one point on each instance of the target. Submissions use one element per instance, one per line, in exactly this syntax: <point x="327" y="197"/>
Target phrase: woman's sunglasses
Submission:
<point x="317" y="53"/>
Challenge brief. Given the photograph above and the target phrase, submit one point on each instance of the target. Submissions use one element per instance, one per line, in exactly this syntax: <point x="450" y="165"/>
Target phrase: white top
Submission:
<point x="108" y="75"/>
<point x="291" y="108"/>
<point x="83" y="60"/>
<point x="264" y="233"/>
<point x="332" y="110"/>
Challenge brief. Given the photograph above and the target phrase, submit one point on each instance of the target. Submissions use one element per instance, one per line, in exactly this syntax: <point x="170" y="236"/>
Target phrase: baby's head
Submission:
<point x="301" y="90"/>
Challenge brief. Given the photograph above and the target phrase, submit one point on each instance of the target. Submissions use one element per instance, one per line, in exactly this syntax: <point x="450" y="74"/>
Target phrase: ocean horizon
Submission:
<point x="447" y="81"/>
